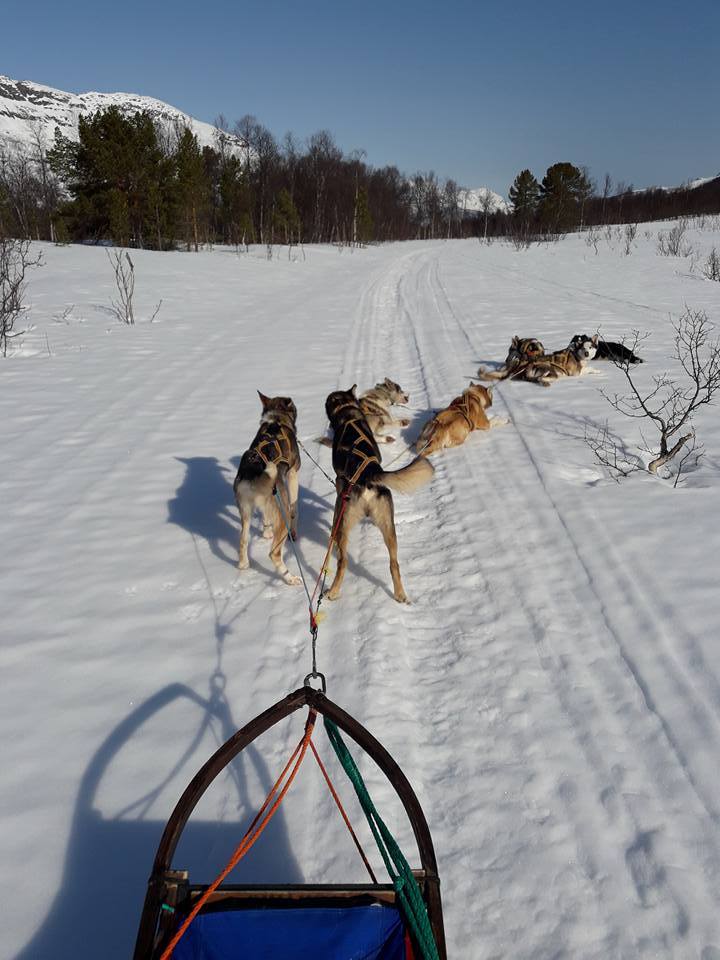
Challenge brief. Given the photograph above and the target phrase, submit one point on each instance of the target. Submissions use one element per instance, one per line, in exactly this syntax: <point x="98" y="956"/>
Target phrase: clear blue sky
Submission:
<point x="473" y="90"/>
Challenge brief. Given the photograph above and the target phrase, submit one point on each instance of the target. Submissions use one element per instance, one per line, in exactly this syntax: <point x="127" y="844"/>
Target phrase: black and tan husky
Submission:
<point x="569" y="362"/>
<point x="363" y="487"/>
<point x="268" y="470"/>
<point x="520" y="351"/>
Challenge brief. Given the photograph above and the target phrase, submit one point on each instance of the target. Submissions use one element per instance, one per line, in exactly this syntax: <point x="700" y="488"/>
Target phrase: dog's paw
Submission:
<point x="401" y="597"/>
<point x="268" y="531"/>
<point x="291" y="580"/>
<point x="243" y="564"/>
<point x="331" y="594"/>
<point x="499" y="421"/>
<point x="404" y="423"/>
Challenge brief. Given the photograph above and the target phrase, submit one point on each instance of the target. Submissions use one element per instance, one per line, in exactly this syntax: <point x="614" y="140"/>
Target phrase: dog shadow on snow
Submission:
<point x="204" y="506"/>
<point x="109" y="855"/>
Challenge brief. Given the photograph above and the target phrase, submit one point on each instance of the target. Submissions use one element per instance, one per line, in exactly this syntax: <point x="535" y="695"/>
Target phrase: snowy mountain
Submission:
<point x="30" y="110"/>
<point x="474" y="200"/>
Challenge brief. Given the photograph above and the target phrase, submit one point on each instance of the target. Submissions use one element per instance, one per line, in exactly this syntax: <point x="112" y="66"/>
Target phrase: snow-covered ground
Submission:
<point x="553" y="691"/>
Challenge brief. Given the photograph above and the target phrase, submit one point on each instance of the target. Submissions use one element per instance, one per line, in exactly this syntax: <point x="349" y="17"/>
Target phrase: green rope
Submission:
<point x="403" y="880"/>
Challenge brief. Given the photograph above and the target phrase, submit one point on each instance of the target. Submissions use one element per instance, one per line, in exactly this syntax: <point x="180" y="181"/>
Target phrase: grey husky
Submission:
<point x="269" y="470"/>
<point x="375" y="405"/>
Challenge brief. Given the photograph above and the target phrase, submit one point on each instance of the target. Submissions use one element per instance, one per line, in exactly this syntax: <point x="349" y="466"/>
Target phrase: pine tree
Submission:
<point x="192" y="186"/>
<point x="286" y="217"/>
<point x="563" y="192"/>
<point x="524" y="195"/>
<point x="365" y="225"/>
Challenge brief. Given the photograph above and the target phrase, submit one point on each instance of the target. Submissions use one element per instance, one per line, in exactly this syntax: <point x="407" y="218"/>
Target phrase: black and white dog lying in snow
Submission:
<point x="606" y="350"/>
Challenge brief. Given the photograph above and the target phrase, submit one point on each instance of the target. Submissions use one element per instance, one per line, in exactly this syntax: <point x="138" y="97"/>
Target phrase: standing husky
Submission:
<point x="363" y="487"/>
<point x="455" y="423"/>
<point x="521" y="350"/>
<point x="569" y="362"/>
<point x="270" y="466"/>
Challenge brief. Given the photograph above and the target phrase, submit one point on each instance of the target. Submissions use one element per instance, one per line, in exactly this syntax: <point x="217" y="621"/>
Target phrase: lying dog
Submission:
<point x="375" y="405"/>
<point x="607" y="350"/>
<point x="569" y="362"/>
<point x="521" y="350"/>
<point x="270" y="465"/>
<point x="363" y="487"/>
<point x="452" y="426"/>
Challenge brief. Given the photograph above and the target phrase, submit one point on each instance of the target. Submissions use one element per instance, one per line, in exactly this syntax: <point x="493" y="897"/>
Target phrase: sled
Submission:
<point x="294" y="921"/>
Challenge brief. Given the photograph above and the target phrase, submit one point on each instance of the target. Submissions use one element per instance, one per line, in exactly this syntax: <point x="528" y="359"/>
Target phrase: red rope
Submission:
<point x="345" y="500"/>
<point x="340" y="807"/>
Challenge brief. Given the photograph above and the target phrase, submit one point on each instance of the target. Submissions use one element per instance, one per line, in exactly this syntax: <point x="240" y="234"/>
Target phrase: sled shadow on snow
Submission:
<point x="204" y="506"/>
<point x="97" y="907"/>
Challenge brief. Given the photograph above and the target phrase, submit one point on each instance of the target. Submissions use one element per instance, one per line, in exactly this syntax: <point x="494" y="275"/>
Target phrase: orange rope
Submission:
<point x="345" y="817"/>
<point x="249" y="839"/>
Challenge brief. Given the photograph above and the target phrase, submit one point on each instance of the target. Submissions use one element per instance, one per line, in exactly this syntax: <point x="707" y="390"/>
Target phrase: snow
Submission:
<point x="474" y="200"/>
<point x="27" y="108"/>
<point x="552" y="693"/>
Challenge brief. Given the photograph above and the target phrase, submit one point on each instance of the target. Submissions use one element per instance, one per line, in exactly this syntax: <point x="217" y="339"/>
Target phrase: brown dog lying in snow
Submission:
<point x="451" y="426"/>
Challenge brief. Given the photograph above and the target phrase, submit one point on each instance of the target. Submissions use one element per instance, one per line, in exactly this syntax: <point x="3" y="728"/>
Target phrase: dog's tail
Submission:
<point x="502" y="374"/>
<point x="409" y="478"/>
<point x="255" y="487"/>
<point x="426" y="437"/>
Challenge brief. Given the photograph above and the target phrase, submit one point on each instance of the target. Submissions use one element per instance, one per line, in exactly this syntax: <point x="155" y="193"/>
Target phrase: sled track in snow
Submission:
<point x="598" y="670"/>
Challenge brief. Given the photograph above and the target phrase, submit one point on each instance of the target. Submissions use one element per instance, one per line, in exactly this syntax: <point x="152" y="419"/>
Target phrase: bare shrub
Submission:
<point x="669" y="406"/>
<point x="670" y="243"/>
<point x="15" y="261"/>
<point x="611" y="452"/>
<point x="592" y="238"/>
<point x="124" y="270"/>
<point x="711" y="267"/>
<point x="629" y="236"/>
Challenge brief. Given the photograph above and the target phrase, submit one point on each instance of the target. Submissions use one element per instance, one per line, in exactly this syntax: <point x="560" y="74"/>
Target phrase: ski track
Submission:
<point x="601" y="729"/>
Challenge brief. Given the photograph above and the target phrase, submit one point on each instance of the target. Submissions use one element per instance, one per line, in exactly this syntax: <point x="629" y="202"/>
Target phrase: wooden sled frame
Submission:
<point x="169" y="887"/>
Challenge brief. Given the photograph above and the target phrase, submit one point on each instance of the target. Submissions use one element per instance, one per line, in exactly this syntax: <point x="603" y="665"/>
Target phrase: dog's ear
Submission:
<point x="489" y="391"/>
<point x="263" y="399"/>
<point x="353" y="390"/>
<point x="594" y="340"/>
<point x="515" y="342"/>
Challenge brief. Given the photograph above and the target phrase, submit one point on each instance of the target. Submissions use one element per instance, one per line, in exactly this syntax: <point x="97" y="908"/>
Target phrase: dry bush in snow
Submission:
<point x="671" y="242"/>
<point x="629" y="236"/>
<point x="15" y="261"/>
<point x="124" y="271"/>
<point x="711" y="267"/>
<point x="669" y="405"/>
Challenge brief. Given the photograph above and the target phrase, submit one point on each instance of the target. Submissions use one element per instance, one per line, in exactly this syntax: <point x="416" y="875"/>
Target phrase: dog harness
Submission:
<point x="462" y="405"/>
<point x="354" y="448"/>
<point x="282" y="445"/>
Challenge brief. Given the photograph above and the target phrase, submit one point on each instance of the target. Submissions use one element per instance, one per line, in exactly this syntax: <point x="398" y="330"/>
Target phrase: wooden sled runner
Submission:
<point x="401" y="920"/>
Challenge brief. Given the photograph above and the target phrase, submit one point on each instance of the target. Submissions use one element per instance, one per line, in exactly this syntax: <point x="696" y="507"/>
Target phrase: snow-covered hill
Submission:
<point x="30" y="110"/>
<point x="474" y="200"/>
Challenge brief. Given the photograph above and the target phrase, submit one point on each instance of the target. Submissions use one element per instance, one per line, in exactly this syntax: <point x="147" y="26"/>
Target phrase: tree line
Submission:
<point x="132" y="182"/>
